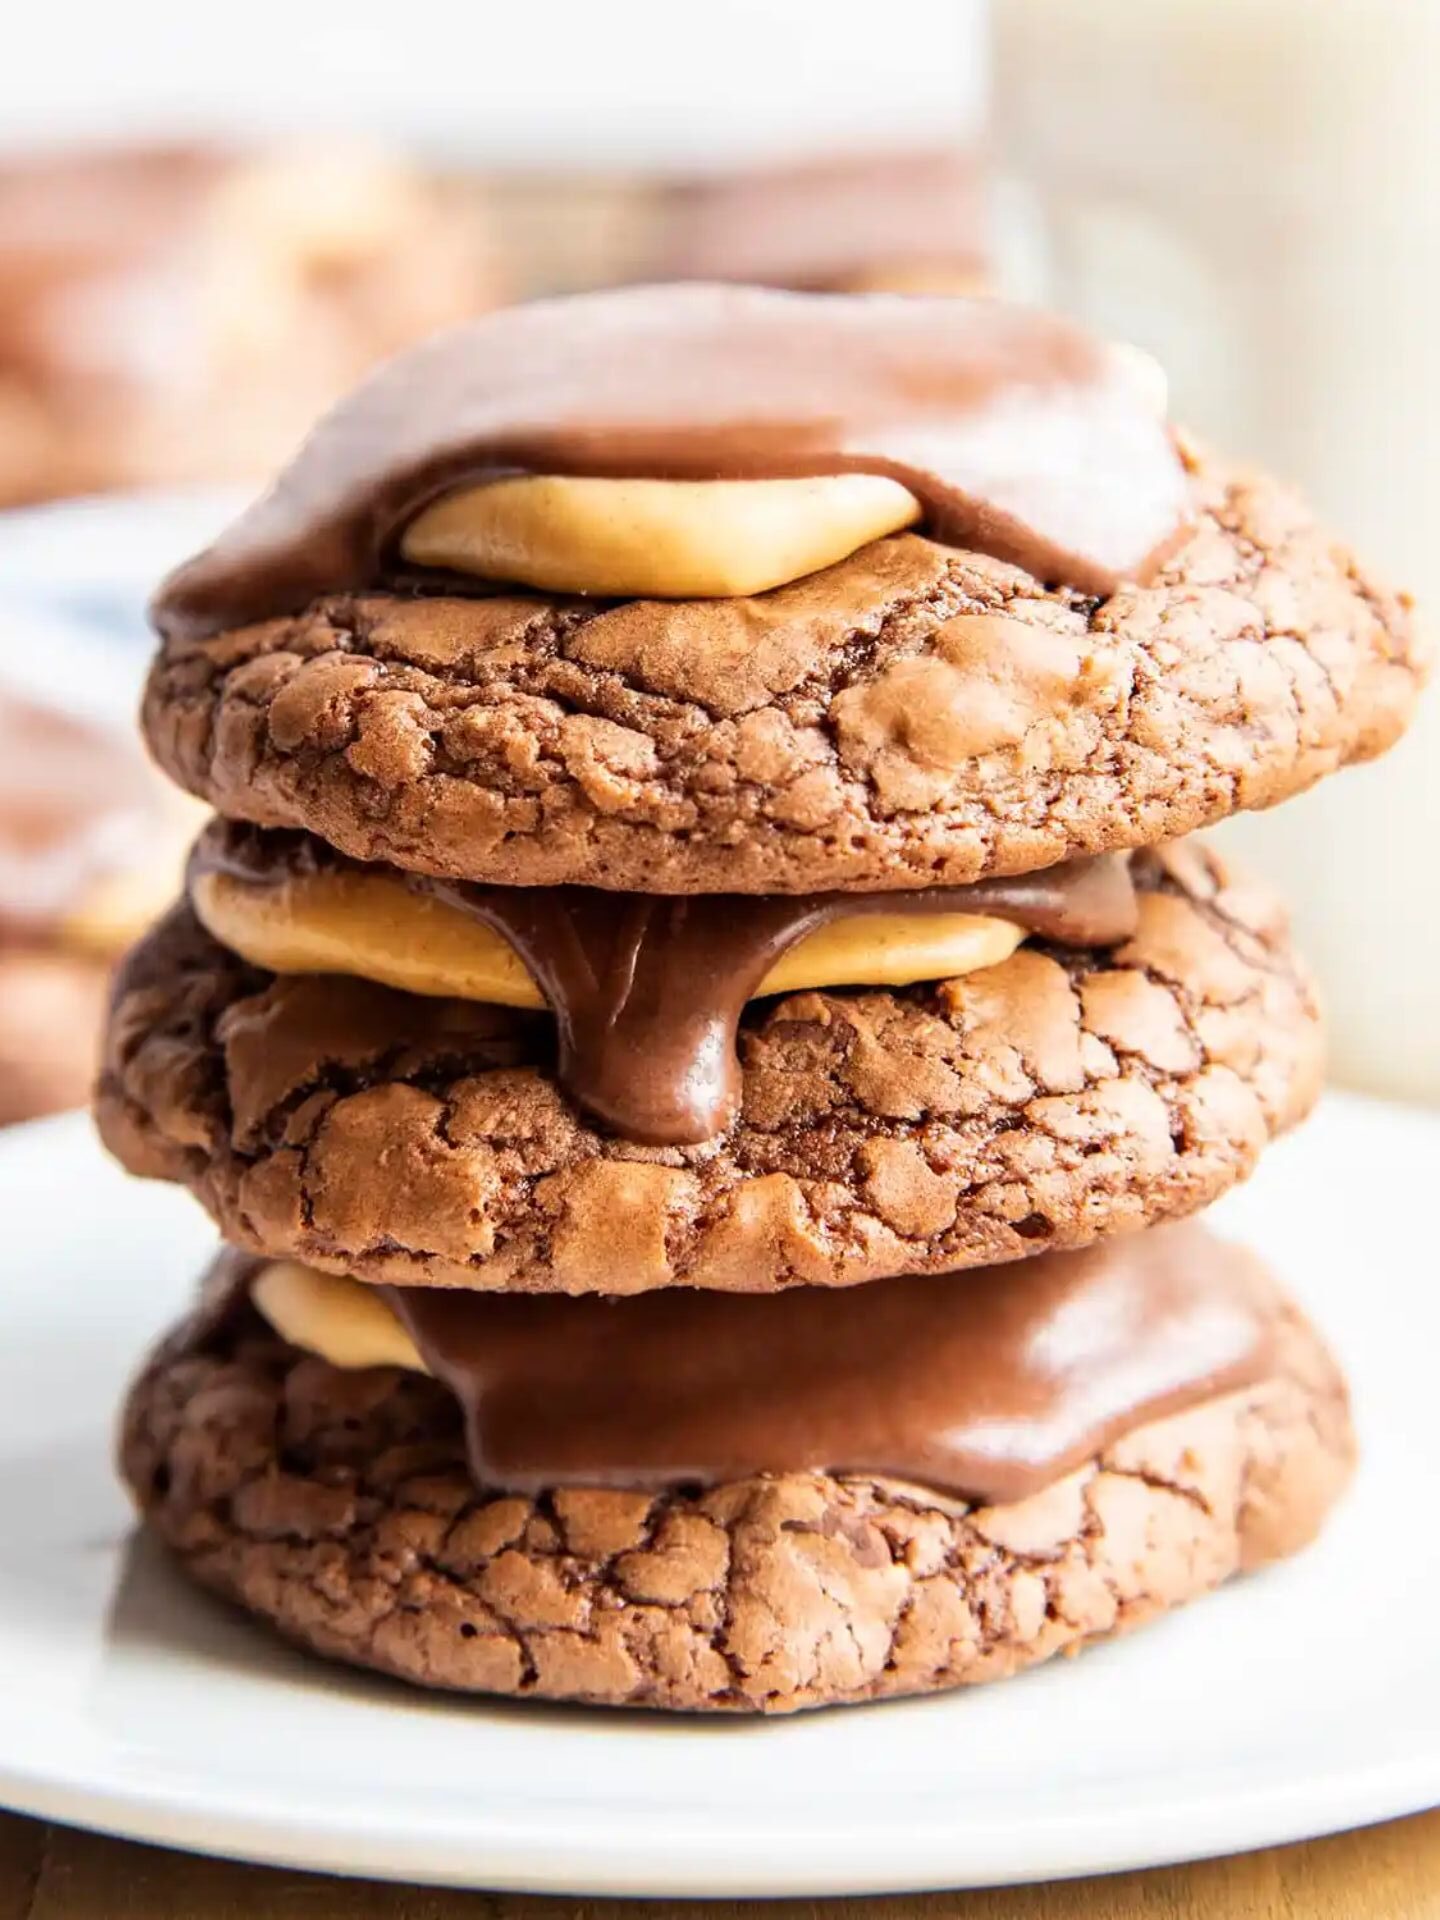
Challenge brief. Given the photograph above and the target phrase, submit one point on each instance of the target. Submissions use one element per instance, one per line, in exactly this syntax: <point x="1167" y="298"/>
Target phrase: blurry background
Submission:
<point x="212" y="222"/>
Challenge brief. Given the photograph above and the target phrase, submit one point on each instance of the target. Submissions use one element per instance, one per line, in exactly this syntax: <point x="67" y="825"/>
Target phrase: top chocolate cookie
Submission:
<point x="1097" y="641"/>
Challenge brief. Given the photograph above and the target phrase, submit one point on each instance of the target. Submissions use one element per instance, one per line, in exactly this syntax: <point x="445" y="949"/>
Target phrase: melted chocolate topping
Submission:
<point x="1021" y="436"/>
<point x="647" y="991"/>
<point x="986" y="1385"/>
<point x="76" y="803"/>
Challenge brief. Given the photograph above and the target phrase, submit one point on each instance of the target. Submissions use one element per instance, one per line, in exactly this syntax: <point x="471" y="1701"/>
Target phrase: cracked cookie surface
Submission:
<point x="1043" y="1102"/>
<point x="915" y="715"/>
<point x="338" y="1507"/>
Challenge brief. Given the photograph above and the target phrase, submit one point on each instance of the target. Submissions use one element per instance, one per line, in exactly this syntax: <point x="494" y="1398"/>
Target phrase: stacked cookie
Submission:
<point x="696" y="989"/>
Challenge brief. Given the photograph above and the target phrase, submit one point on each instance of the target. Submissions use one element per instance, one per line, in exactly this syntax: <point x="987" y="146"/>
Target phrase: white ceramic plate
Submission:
<point x="1300" y="1701"/>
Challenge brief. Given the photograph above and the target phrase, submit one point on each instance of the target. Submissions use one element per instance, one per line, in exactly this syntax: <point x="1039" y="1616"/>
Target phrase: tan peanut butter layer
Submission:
<point x="292" y="905"/>
<point x="677" y="539"/>
<point x="369" y="922"/>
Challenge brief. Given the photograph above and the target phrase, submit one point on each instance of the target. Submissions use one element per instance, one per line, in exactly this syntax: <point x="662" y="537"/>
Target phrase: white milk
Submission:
<point x="1251" y="189"/>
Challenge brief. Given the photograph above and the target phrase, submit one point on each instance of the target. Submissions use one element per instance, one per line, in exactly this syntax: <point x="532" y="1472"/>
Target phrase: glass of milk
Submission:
<point x="1248" y="188"/>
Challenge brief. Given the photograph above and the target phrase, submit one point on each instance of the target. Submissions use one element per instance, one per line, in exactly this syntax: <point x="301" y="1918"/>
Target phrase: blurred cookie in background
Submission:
<point x="560" y="231"/>
<point x="174" y="314"/>
<point x="910" y="222"/>
<point x="92" y="845"/>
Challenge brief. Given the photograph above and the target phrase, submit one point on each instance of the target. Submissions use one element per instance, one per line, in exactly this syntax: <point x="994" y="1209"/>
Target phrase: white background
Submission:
<point x="597" y="82"/>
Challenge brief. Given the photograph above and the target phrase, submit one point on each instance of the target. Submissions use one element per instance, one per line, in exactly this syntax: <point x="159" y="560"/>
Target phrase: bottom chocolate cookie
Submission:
<point x="339" y="1505"/>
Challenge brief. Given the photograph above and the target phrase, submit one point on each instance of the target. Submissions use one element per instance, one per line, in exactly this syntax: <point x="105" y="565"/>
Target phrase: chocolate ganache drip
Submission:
<point x="985" y="1385"/>
<point x="647" y="990"/>
<point x="1021" y="436"/>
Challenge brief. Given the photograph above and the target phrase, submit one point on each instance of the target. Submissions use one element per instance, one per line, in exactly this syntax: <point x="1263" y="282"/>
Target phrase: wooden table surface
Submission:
<point x="1378" y="1873"/>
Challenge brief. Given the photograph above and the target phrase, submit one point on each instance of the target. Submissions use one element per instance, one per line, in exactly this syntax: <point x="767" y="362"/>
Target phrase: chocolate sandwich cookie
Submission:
<point x="698" y="590"/>
<point x="90" y="845"/>
<point x="752" y="1504"/>
<point x="701" y="1137"/>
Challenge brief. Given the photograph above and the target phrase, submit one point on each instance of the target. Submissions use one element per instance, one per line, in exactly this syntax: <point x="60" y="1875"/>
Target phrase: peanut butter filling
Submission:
<point x="372" y="924"/>
<point x="663" y="539"/>
<point x="341" y="1321"/>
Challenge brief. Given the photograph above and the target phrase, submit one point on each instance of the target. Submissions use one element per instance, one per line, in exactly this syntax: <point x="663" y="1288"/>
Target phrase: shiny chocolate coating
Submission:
<point x="1022" y="436"/>
<point x="987" y="1385"/>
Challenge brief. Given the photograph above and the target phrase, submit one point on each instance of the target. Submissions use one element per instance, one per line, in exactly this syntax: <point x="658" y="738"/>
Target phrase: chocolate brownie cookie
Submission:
<point x="1059" y="1096"/>
<point x="914" y="715"/>
<point x="340" y="1507"/>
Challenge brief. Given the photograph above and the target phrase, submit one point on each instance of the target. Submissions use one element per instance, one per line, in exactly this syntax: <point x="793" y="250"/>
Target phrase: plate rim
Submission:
<point x="690" y="1861"/>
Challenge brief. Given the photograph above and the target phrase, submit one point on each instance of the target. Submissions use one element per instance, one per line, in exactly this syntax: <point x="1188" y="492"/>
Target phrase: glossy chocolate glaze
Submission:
<point x="987" y="1385"/>
<point x="647" y="991"/>
<point x="76" y="803"/>
<point x="1021" y="436"/>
